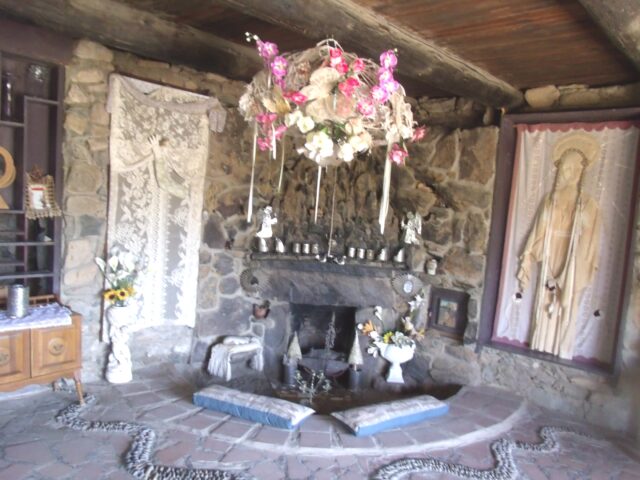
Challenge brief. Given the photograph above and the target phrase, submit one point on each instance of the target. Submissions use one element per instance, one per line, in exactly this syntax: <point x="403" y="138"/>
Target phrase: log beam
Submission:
<point x="370" y="34"/>
<point x="123" y="27"/>
<point x="620" y="20"/>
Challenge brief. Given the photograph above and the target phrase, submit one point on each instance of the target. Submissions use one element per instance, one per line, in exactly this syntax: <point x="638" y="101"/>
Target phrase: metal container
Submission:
<point x="351" y="252"/>
<point x="315" y="249"/>
<point x="361" y="253"/>
<point x="371" y="254"/>
<point x="296" y="248"/>
<point x="383" y="255"/>
<point x="263" y="247"/>
<point x="399" y="257"/>
<point x="18" y="301"/>
<point x="306" y="248"/>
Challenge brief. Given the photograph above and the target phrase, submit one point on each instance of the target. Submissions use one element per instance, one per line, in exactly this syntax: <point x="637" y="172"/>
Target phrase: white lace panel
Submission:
<point x="158" y="147"/>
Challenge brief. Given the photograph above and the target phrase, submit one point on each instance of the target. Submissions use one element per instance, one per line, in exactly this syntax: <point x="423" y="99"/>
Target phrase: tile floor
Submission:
<point x="34" y="446"/>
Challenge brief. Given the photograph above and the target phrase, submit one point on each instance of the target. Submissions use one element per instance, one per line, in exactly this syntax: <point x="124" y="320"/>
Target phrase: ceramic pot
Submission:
<point x="396" y="356"/>
<point x="119" y="367"/>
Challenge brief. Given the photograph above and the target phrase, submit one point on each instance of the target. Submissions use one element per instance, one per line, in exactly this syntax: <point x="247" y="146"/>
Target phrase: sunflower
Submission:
<point x="387" y="337"/>
<point x="111" y="295"/>
<point x="123" y="294"/>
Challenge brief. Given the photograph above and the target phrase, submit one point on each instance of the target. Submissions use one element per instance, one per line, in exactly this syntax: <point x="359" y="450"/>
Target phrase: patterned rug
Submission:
<point x="502" y="450"/>
<point x="137" y="458"/>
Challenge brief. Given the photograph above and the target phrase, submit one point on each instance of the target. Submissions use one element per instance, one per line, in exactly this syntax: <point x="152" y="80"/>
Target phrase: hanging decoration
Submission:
<point x="9" y="174"/>
<point x="333" y="104"/>
<point x="40" y="196"/>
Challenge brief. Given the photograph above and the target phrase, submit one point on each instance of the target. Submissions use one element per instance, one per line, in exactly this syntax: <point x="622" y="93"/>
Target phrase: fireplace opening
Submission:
<point x="326" y="335"/>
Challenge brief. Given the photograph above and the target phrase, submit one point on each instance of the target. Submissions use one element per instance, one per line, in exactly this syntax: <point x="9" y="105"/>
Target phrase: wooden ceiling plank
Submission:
<point x="620" y="20"/>
<point x="127" y="28"/>
<point x="371" y="34"/>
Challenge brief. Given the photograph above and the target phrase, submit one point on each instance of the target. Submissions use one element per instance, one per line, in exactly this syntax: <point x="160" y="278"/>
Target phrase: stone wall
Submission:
<point x="86" y="159"/>
<point x="448" y="180"/>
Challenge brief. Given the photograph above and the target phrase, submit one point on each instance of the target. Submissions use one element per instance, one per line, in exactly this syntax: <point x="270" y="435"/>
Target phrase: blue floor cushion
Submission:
<point x="372" y="419"/>
<point x="250" y="406"/>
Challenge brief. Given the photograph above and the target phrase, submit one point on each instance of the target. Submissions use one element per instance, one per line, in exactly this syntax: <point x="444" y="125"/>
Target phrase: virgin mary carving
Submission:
<point x="563" y="245"/>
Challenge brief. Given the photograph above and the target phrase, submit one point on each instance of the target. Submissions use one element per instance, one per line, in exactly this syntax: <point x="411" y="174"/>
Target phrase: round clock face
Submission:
<point x="407" y="287"/>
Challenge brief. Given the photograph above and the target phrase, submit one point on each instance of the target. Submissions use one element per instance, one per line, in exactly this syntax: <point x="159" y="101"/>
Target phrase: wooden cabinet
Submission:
<point x="41" y="355"/>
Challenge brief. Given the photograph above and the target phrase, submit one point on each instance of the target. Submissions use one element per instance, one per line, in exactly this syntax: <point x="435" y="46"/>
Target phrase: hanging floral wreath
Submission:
<point x="334" y="104"/>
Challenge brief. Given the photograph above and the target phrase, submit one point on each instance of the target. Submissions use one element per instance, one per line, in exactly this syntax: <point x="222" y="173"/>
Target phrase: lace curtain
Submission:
<point x="159" y="144"/>
<point x="609" y="181"/>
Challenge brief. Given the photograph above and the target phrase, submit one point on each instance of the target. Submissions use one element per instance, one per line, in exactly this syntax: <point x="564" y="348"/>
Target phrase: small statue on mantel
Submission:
<point x="268" y="219"/>
<point x="411" y="228"/>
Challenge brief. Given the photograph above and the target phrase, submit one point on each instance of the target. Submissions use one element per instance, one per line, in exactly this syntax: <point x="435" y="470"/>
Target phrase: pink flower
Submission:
<point x="348" y="86"/>
<point x="391" y="86"/>
<point x="279" y="66"/>
<point x="365" y="107"/>
<point x="357" y="65"/>
<point x="342" y="67"/>
<point x="388" y="59"/>
<point x="279" y="131"/>
<point x="267" y="50"/>
<point x="296" y="97"/>
<point x="266" y="118"/>
<point x="335" y="56"/>
<point x="384" y="75"/>
<point x="398" y="154"/>
<point x="419" y="133"/>
<point x="379" y="94"/>
<point x="264" y="143"/>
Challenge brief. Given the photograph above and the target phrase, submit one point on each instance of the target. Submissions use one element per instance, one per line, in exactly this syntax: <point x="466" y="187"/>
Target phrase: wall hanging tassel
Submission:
<point x="333" y="208"/>
<point x="253" y="170"/>
<point x="282" y="148"/>
<point x="273" y="142"/>
<point x="315" y="216"/>
<point x="386" y="184"/>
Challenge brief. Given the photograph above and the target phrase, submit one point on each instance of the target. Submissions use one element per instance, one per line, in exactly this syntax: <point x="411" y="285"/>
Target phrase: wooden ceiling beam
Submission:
<point x="370" y="34"/>
<point x="124" y="27"/>
<point x="620" y="20"/>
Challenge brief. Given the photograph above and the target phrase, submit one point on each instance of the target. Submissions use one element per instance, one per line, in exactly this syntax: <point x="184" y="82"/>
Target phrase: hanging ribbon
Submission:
<point x="386" y="184"/>
<point x="315" y="216"/>
<point x="333" y="207"/>
<point x="253" y="170"/>
<point x="282" y="148"/>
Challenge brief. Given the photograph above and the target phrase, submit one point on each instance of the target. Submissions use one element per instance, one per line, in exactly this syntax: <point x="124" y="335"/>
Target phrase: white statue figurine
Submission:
<point x="412" y="228"/>
<point x="268" y="219"/>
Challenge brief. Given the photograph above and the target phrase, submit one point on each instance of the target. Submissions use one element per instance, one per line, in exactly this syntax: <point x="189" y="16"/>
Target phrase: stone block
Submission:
<point x="542" y="97"/>
<point x="89" y="75"/>
<point x="223" y="263"/>
<point x="80" y="252"/>
<point x="467" y="269"/>
<point x="199" y="353"/>
<point x="91" y="226"/>
<point x="438" y="227"/>
<point x="229" y="285"/>
<point x="214" y="234"/>
<point x="420" y="199"/>
<point x="99" y="114"/>
<point x="89" y="50"/>
<point x="76" y="123"/>
<point x="462" y="196"/>
<point x="76" y="96"/>
<point x="478" y="154"/>
<point x="447" y="151"/>
<point x="87" y="275"/>
<point x="232" y="317"/>
<point x="74" y="151"/>
<point x="476" y="233"/>
<point x="83" y="178"/>
<point x="86" y="205"/>
<point x="208" y="292"/>
<point x="98" y="144"/>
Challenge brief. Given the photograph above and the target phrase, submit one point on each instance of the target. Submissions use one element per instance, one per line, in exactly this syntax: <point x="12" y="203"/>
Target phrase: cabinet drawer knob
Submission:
<point x="56" y="346"/>
<point x="5" y="356"/>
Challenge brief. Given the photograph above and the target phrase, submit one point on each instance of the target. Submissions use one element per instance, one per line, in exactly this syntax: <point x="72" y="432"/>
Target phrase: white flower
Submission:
<point x="292" y="118"/>
<point x="406" y="132"/>
<point x="305" y="124"/>
<point x="359" y="143"/>
<point x="319" y="145"/>
<point x="345" y="152"/>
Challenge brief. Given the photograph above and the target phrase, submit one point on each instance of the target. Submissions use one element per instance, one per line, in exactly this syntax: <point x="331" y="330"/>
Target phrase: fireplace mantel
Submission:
<point x="305" y="280"/>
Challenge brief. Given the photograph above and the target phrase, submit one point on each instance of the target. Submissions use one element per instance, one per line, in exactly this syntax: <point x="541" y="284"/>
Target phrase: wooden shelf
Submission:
<point x="28" y="243"/>
<point x="46" y="101"/>
<point x="11" y="232"/>
<point x="12" y="212"/>
<point x="32" y="274"/>
<point x="11" y="123"/>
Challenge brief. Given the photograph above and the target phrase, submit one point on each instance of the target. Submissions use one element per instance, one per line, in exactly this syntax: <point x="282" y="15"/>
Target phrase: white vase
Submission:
<point x="119" y="365"/>
<point x="396" y="356"/>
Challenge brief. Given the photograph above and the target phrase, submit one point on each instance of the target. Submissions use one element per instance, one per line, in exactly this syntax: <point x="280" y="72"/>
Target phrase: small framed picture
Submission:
<point x="448" y="311"/>
<point x="38" y="196"/>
